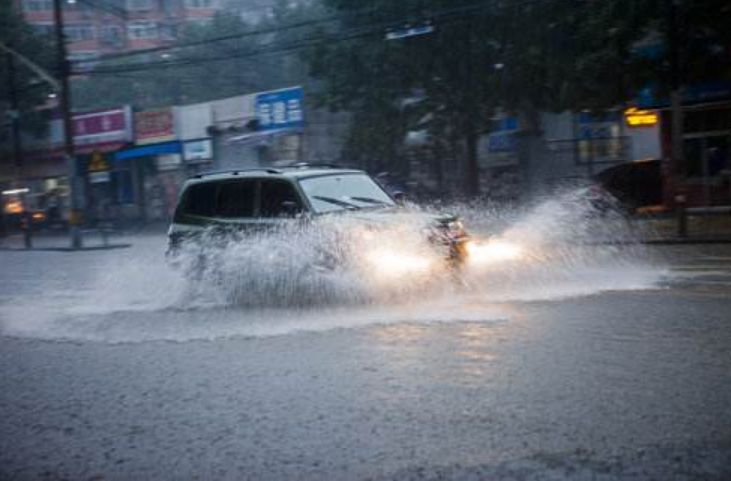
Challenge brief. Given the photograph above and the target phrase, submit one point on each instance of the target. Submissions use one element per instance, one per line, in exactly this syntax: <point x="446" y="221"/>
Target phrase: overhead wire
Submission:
<point x="234" y="36"/>
<point x="358" y="32"/>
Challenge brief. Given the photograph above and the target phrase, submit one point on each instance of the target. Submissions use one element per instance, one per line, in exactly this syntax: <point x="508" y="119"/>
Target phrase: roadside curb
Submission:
<point x="680" y="240"/>
<point x="66" y="249"/>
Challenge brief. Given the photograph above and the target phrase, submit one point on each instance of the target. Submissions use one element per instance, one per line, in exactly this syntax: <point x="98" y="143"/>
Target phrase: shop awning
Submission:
<point x="148" y="150"/>
<point x="262" y="136"/>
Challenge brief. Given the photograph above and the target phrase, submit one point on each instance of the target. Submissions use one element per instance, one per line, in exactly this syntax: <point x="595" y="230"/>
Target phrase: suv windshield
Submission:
<point x="329" y="193"/>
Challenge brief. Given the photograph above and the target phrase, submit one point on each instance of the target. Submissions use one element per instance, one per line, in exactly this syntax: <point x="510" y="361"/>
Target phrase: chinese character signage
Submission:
<point x="597" y="125"/>
<point x="280" y="109"/>
<point x="500" y="147"/>
<point x="102" y="130"/>
<point x="154" y="126"/>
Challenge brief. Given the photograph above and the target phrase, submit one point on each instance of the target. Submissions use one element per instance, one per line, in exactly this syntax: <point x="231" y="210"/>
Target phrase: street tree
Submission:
<point x="18" y="83"/>
<point x="519" y="57"/>
<point x="447" y="69"/>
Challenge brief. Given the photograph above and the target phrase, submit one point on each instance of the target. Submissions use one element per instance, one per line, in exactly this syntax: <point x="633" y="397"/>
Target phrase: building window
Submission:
<point x="167" y="32"/>
<point x="78" y="6"/>
<point x="199" y="3"/>
<point x="37" y="5"/>
<point x="199" y="22"/>
<point x="45" y="29"/>
<point x="111" y="35"/>
<point x="84" y="61"/>
<point x="78" y="33"/>
<point x="707" y="156"/>
<point x="141" y="30"/>
<point x="139" y="4"/>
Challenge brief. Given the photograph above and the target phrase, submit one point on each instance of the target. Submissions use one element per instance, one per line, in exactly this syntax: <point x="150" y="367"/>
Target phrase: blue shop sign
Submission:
<point x="280" y="109"/>
<point x="502" y="138"/>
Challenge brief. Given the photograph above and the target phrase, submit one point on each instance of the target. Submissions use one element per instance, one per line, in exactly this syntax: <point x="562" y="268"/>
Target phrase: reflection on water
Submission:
<point x="475" y="350"/>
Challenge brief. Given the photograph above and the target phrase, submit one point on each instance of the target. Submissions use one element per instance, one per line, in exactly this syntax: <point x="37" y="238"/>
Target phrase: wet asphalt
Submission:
<point x="618" y="384"/>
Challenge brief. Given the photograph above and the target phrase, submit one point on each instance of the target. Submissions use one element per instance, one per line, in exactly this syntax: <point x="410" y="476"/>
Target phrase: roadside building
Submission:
<point x="113" y="27"/>
<point x="259" y="129"/>
<point x="170" y="145"/>
<point x="45" y="169"/>
<point x="703" y="179"/>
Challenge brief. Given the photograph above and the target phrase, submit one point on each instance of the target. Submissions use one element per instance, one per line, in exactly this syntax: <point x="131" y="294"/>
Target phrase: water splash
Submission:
<point x="347" y="271"/>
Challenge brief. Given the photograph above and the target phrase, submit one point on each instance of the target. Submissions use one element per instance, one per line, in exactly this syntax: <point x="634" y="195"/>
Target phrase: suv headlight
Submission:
<point x="455" y="229"/>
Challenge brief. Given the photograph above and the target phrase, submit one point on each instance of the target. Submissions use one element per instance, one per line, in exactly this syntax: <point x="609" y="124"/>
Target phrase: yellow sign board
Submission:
<point x="98" y="162"/>
<point x="640" y="118"/>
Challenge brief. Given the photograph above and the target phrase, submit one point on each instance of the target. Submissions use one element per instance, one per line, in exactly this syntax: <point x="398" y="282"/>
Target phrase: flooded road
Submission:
<point x="603" y="362"/>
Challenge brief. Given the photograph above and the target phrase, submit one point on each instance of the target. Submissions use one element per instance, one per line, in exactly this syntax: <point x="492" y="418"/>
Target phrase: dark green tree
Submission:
<point x="450" y="69"/>
<point x="522" y="57"/>
<point x="30" y="90"/>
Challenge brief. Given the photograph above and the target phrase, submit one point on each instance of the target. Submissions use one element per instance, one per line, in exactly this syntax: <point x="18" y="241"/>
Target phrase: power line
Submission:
<point x="305" y="23"/>
<point x="235" y="36"/>
<point x="362" y="31"/>
<point x="292" y="46"/>
<point x="447" y="15"/>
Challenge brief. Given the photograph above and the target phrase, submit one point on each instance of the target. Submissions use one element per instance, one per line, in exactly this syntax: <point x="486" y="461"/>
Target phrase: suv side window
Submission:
<point x="200" y="199"/>
<point x="235" y="199"/>
<point x="274" y="194"/>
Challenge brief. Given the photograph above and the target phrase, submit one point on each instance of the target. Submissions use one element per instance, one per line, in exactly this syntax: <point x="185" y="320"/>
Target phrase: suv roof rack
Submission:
<point x="306" y="165"/>
<point x="268" y="170"/>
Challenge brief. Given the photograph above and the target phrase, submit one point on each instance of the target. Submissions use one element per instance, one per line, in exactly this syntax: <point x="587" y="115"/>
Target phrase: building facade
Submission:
<point x="96" y="29"/>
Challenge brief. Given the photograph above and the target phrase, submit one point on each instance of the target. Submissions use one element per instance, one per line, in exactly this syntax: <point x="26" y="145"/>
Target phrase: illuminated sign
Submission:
<point x="640" y="118"/>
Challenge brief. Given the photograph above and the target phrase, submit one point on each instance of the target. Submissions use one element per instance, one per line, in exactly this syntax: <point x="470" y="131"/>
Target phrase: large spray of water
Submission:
<point x="344" y="271"/>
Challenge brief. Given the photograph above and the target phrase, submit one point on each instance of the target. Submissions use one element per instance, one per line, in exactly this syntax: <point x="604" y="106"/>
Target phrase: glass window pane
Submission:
<point x="337" y="192"/>
<point x="693" y="151"/>
<point x="273" y="196"/>
<point x="235" y="199"/>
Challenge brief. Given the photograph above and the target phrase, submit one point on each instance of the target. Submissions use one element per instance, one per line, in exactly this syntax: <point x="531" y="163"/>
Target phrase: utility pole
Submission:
<point x="14" y="114"/>
<point x="75" y="184"/>
<point x="676" y="109"/>
<point x="471" y="174"/>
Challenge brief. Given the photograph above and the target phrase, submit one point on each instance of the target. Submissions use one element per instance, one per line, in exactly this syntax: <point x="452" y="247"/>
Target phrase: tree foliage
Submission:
<point x="30" y="90"/>
<point x="522" y="57"/>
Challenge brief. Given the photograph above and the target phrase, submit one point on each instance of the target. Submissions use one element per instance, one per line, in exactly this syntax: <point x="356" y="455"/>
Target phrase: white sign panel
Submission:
<point x="198" y="150"/>
<point x="99" y="177"/>
<point x="168" y="161"/>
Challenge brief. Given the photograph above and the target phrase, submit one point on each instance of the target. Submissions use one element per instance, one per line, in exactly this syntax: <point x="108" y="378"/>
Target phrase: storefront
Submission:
<point x="704" y="176"/>
<point x="97" y="136"/>
<point x="156" y="171"/>
<point x="160" y="162"/>
<point x="197" y="155"/>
